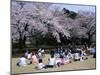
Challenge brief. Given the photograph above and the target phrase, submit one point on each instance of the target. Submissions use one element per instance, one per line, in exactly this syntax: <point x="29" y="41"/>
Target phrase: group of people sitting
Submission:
<point x="58" y="57"/>
<point x="76" y="54"/>
<point x="30" y="57"/>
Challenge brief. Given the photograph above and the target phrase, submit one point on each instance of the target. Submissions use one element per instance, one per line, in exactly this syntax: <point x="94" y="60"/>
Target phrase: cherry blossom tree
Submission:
<point x="34" y="21"/>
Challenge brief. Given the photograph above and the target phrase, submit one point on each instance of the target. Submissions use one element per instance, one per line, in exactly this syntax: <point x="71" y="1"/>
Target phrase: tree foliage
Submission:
<point x="37" y="22"/>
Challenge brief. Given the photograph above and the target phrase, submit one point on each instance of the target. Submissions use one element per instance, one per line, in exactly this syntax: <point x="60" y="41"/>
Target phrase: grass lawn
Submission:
<point x="78" y="65"/>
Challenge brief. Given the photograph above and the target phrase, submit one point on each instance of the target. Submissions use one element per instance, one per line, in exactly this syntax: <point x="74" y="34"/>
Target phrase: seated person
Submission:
<point x="58" y="62"/>
<point x="26" y="53"/>
<point x="83" y="55"/>
<point x="40" y="64"/>
<point x="29" y="56"/>
<point x="39" y="55"/>
<point x="34" y="58"/>
<point x="51" y="62"/>
<point x="52" y="53"/>
<point x="62" y="61"/>
<point x="94" y="55"/>
<point x="93" y="50"/>
<point x="22" y="61"/>
<point x="76" y="56"/>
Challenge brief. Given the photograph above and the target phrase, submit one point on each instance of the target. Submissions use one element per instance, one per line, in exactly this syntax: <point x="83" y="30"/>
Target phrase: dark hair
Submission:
<point x="40" y="60"/>
<point x="52" y="56"/>
<point x="61" y="56"/>
<point x="23" y="55"/>
<point x="33" y="53"/>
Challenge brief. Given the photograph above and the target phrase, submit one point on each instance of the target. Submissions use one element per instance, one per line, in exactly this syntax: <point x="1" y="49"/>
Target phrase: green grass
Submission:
<point x="88" y="64"/>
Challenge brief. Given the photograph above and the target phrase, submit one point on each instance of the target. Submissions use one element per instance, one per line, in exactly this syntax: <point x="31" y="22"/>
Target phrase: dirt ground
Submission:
<point x="78" y="65"/>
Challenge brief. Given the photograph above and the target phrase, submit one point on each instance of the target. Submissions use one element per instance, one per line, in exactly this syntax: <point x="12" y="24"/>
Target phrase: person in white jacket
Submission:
<point x="22" y="61"/>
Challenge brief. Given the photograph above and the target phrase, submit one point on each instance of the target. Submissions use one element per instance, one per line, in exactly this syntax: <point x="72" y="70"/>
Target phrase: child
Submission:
<point x="62" y="60"/>
<point x="40" y="65"/>
<point x="58" y="62"/>
<point x="22" y="61"/>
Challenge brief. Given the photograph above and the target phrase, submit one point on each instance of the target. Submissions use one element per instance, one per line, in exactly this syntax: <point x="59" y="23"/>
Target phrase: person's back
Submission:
<point x="52" y="61"/>
<point x="22" y="61"/>
<point x="34" y="59"/>
<point x="40" y="64"/>
<point x="93" y="50"/>
<point x="52" y="53"/>
<point x="77" y="56"/>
